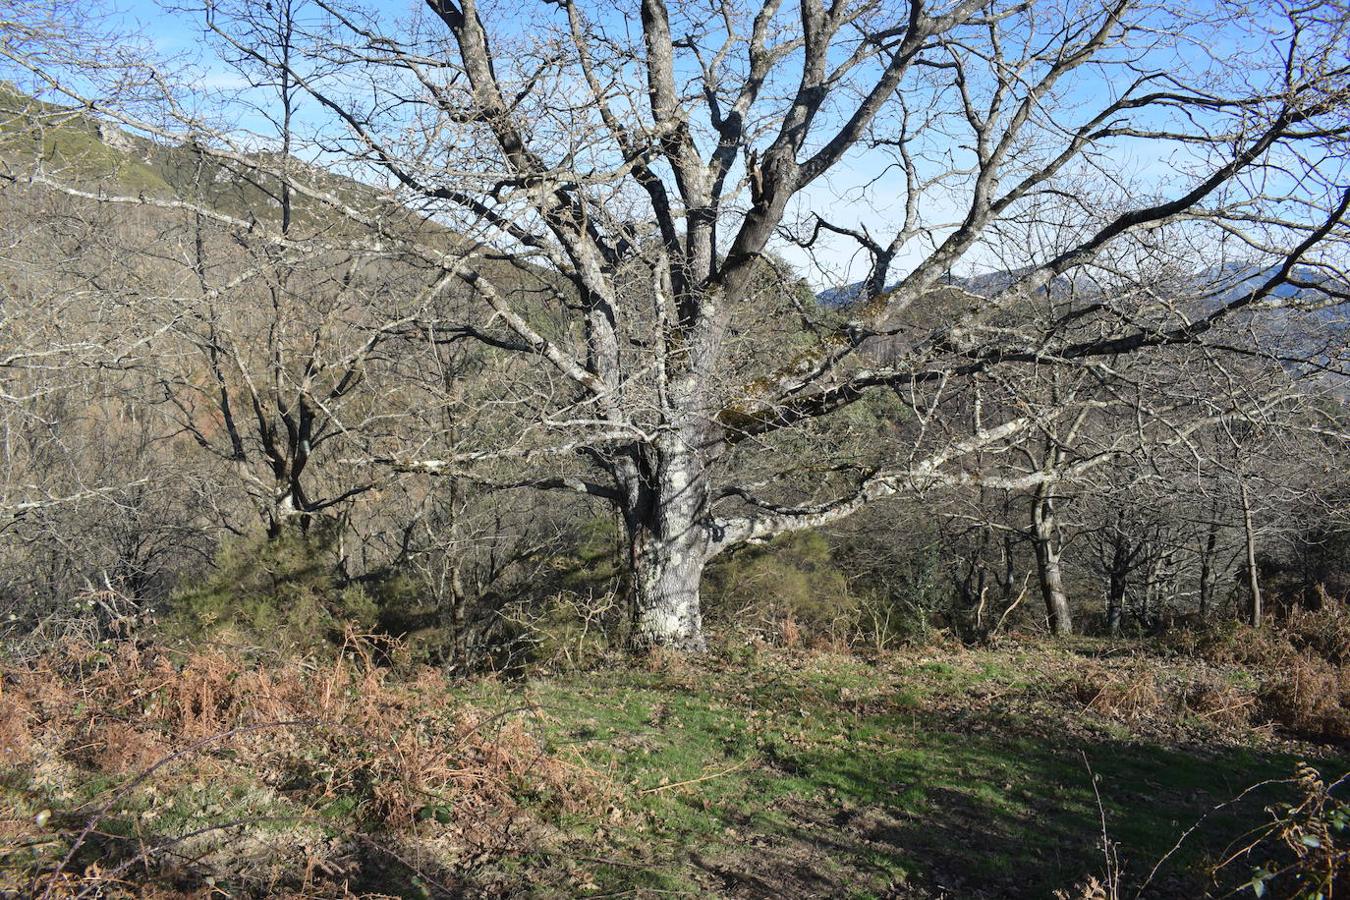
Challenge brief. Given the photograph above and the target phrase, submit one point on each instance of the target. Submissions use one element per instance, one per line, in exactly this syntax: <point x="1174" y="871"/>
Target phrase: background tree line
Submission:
<point x="432" y="326"/>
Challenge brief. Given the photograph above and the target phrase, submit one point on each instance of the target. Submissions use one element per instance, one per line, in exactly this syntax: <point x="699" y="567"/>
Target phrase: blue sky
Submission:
<point x="181" y="35"/>
<point x="172" y="33"/>
<point x="838" y="197"/>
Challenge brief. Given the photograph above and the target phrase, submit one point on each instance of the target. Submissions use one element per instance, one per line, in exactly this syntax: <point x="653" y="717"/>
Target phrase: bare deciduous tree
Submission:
<point x="645" y="159"/>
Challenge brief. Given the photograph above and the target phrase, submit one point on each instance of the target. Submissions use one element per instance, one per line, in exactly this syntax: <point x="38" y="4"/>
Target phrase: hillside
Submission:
<point x="81" y="151"/>
<point x="330" y="570"/>
<point x="1307" y="310"/>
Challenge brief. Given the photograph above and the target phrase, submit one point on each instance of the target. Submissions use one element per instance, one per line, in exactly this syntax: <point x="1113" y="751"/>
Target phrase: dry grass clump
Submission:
<point x="1142" y="689"/>
<point x="1290" y="675"/>
<point x="398" y="756"/>
<point x="1128" y="694"/>
<point x="1323" y="632"/>
<point x="1300" y="661"/>
<point x="1220" y="702"/>
<point x="1309" y="698"/>
<point x="17" y="717"/>
<point x="1089" y="889"/>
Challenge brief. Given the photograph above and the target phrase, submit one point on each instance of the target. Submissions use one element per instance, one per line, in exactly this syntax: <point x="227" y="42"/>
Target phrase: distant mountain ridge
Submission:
<point x="88" y="152"/>
<point x="1239" y="278"/>
<point x="987" y="284"/>
<point x="92" y="154"/>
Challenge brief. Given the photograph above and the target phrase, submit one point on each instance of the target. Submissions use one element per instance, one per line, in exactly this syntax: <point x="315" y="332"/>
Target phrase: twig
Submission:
<point x="1108" y="851"/>
<point x="1198" y="822"/>
<point x="665" y="787"/>
<point x="1021" y="595"/>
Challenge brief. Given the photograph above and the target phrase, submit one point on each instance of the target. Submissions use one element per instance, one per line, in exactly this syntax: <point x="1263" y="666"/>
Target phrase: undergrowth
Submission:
<point x="1301" y="661"/>
<point x="130" y="765"/>
<point x="281" y="594"/>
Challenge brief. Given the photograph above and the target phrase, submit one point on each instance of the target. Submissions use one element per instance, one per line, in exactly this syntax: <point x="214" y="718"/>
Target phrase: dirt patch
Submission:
<point x="813" y="855"/>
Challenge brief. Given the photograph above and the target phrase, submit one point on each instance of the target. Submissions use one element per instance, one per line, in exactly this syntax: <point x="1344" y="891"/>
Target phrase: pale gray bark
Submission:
<point x="670" y="543"/>
<point x="1045" y="534"/>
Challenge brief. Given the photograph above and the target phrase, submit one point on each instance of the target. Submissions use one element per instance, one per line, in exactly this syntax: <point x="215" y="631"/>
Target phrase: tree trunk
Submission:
<point x="666" y="578"/>
<point x="1115" y="590"/>
<point x="1207" y="567"/>
<point x="669" y="548"/>
<point x="1115" y="604"/>
<point x="1155" y="593"/>
<point x="1045" y="536"/>
<point x="1254" y="611"/>
<point x="1052" y="589"/>
<point x="459" y="632"/>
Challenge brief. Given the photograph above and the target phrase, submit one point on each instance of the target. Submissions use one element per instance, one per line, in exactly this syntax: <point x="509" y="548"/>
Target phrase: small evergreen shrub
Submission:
<point x="909" y="607"/>
<point x="282" y="593"/>
<point x="789" y="590"/>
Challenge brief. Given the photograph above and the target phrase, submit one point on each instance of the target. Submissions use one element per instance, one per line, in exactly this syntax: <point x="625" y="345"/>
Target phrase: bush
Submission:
<point x="279" y="594"/>
<point x="567" y="631"/>
<point x="1300" y="853"/>
<point x="285" y="780"/>
<point x="788" y="590"/>
<point x="1301" y="663"/>
<point x="908" y="607"/>
<point x="572" y="613"/>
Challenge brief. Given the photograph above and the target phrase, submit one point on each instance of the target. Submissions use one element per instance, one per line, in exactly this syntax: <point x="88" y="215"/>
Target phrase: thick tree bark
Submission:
<point x="1046" y="538"/>
<point x="669" y="545"/>
<point x="666" y="606"/>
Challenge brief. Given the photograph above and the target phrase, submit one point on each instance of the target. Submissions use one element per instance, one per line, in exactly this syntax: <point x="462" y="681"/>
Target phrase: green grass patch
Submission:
<point x="845" y="769"/>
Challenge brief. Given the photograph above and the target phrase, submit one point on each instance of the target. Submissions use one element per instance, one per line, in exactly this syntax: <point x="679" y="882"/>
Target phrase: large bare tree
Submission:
<point x="643" y="160"/>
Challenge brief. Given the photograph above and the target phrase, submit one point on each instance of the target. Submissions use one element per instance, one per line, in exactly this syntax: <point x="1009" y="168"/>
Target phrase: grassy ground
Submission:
<point x="968" y="773"/>
<point x="755" y="773"/>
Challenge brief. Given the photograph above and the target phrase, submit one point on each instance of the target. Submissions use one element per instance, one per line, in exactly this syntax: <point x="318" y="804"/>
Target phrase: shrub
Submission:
<point x="1300" y="853"/>
<point x="1300" y="660"/>
<point x="569" y="630"/>
<point x="280" y="594"/>
<point x="788" y="590"/>
<point x="570" y="614"/>
<point x="594" y="564"/>
<point x="135" y="768"/>
<point x="908" y="607"/>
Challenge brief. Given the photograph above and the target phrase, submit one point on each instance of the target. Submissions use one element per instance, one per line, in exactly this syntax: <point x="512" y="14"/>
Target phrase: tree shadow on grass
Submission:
<point x="967" y="815"/>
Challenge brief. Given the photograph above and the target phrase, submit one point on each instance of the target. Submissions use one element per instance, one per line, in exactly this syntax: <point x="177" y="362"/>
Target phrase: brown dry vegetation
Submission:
<point x="130" y="769"/>
<point x="1306" y="688"/>
<point x="415" y="772"/>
